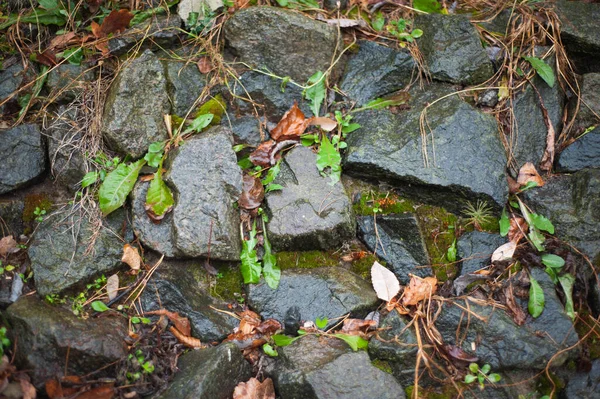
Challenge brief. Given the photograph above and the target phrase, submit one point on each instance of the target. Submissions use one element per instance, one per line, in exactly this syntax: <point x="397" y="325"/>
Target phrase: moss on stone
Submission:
<point x="229" y="282"/>
<point x="306" y="259"/>
<point x="382" y="365"/>
<point x="445" y="392"/>
<point x="32" y="202"/>
<point x="438" y="227"/>
<point x="362" y="266"/>
<point x="384" y="202"/>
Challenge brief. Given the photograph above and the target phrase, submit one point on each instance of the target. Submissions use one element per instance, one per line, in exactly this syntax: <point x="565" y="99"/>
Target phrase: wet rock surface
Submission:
<point x="185" y="85"/>
<point x="67" y="81"/>
<point x="579" y="33"/>
<point x="583" y="153"/>
<point x="475" y="250"/>
<point x="158" y="32"/>
<point x="12" y="77"/>
<point x="589" y="107"/>
<point x="23" y="154"/>
<point x="584" y="385"/>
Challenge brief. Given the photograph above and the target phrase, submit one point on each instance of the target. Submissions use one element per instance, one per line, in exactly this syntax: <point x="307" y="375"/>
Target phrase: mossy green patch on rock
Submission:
<point x="382" y="202"/>
<point x="229" y="282"/>
<point x="306" y="259"/>
<point x="446" y="392"/>
<point x="382" y="365"/>
<point x="362" y="266"/>
<point x="32" y="202"/>
<point x="438" y="227"/>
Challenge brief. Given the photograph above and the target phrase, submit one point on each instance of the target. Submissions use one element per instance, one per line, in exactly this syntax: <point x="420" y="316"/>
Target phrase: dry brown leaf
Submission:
<point x="419" y="289"/>
<point x="518" y="314"/>
<point x="131" y="257"/>
<point x="326" y="124"/>
<point x="248" y="322"/>
<point x="528" y="173"/>
<point x="115" y="22"/>
<point x="358" y="326"/>
<point x="254" y="389"/>
<point x="94" y="5"/>
<point x="291" y="126"/>
<point x="101" y="392"/>
<point x="181" y="323"/>
<point x="504" y="251"/>
<point x="27" y="390"/>
<point x="513" y="186"/>
<point x="253" y="193"/>
<point x="269" y="327"/>
<point x="187" y="340"/>
<point x="518" y="228"/>
<point x="457" y="353"/>
<point x="262" y="155"/>
<point x="204" y="65"/>
<point x="8" y="245"/>
<point x="47" y="58"/>
<point x="384" y="282"/>
<point x="60" y="42"/>
<point x="548" y="157"/>
<point x="112" y="286"/>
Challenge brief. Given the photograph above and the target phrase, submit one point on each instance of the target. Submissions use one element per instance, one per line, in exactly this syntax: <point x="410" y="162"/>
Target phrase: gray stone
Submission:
<point x="589" y="107"/>
<point x="398" y="242"/>
<point x="185" y="83"/>
<point x="66" y="81"/>
<point x="60" y="252"/>
<point x="504" y="345"/>
<point x="452" y="49"/>
<point x="11" y="79"/>
<point x="206" y="182"/>
<point x="583" y="153"/>
<point x="283" y="41"/>
<point x="23" y="155"/>
<point x="584" y="385"/>
<point x="572" y="203"/>
<point x="476" y="248"/>
<point x="189" y="297"/>
<point x="320" y="368"/>
<point x="47" y="337"/>
<point x="211" y="373"/>
<point x="307" y="213"/>
<point x="321" y="292"/>
<point x="245" y="129"/>
<point x="11" y="217"/>
<point x="158" y="32"/>
<point x="134" y="108"/>
<point x="375" y="71"/>
<point x="397" y="345"/>
<point x="466" y="159"/>
<point x="579" y="33"/>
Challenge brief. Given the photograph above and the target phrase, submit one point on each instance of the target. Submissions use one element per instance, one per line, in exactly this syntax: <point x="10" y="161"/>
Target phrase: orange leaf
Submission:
<point x="186" y="340"/>
<point x="528" y="173"/>
<point x="419" y="289"/>
<point x="291" y="126"/>
<point x="131" y="257"/>
<point x="254" y="389"/>
<point x="101" y="392"/>
<point x="262" y="155"/>
<point x="96" y="29"/>
<point x="518" y="228"/>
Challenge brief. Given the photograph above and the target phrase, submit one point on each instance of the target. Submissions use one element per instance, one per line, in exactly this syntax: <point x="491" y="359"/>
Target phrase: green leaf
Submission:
<point x="543" y="70"/>
<point x="474" y="367"/>
<point x="552" y="273"/>
<point x="566" y="283"/>
<point x="431" y="6"/>
<point x="416" y="33"/>
<point x="328" y="157"/>
<point x="381" y="103"/>
<point x="537" y="239"/>
<point x="89" y="179"/>
<point x="283" y="3"/>
<point x="199" y="123"/>
<point x="269" y="350"/>
<point x="270" y="270"/>
<point x="215" y="106"/>
<point x="378" y="21"/>
<point x="250" y="266"/>
<point x="528" y="185"/>
<point x="99" y="306"/>
<point x="321" y="323"/>
<point x="486" y="368"/>
<point x="273" y="187"/>
<point x="553" y="261"/>
<point x="350" y="128"/>
<point x="155" y="153"/>
<point x="316" y="94"/>
<point x="73" y="55"/>
<point x="308" y="140"/>
<point x="38" y="16"/>
<point x="542" y="223"/>
<point x="159" y="197"/>
<point x="272" y="174"/>
<point x="451" y="253"/>
<point x="470" y="378"/>
<point x="504" y="223"/>
<point x="494" y="377"/>
<point x="536" y="298"/>
<point x="355" y="342"/>
<point x="283" y="340"/>
<point x="117" y="185"/>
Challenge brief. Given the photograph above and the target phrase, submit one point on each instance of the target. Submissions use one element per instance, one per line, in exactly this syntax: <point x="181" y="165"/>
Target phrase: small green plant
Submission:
<point x="199" y="22"/>
<point x="478" y="215"/>
<point x="55" y="299"/>
<point x="7" y="268"/>
<point x="398" y="29"/>
<point x="138" y="359"/>
<point x="251" y="267"/>
<point x="481" y="375"/>
<point x="4" y="342"/>
<point x="39" y="214"/>
<point x="451" y="253"/>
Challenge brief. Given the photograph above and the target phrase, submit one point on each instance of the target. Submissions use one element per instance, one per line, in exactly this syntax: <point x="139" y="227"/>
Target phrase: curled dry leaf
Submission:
<point x="513" y="186"/>
<point x="262" y="155"/>
<point x="8" y="245"/>
<point x="60" y="42"/>
<point x="456" y="353"/>
<point x="518" y="228"/>
<point x="248" y="322"/>
<point x="115" y="22"/>
<point x="253" y="193"/>
<point x="419" y="289"/>
<point x="528" y="173"/>
<point x="291" y="126"/>
<point x="254" y="389"/>
<point x="504" y="251"/>
<point x="131" y="257"/>
<point x="112" y="286"/>
<point x="516" y="311"/>
<point x="358" y="326"/>
<point x="326" y="124"/>
<point x="188" y="341"/>
<point x="182" y="324"/>
<point x="47" y="58"/>
<point x="204" y="65"/>
<point x="384" y="282"/>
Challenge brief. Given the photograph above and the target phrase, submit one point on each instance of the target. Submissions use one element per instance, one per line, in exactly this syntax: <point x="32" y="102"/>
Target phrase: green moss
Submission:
<point x="382" y="365"/>
<point x="445" y="392"/>
<point x="362" y="266"/>
<point x="215" y="106"/>
<point x="583" y="325"/>
<point x="228" y="283"/>
<point x="438" y="227"/>
<point x="384" y="202"/>
<point x="306" y="259"/>
<point x="545" y="386"/>
<point x="32" y="202"/>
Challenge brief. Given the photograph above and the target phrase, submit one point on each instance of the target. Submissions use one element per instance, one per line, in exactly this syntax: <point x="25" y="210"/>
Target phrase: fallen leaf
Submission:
<point x="291" y="126"/>
<point x="60" y="42"/>
<point x="513" y="186"/>
<point x="384" y="282"/>
<point x="187" y="340"/>
<point x="269" y="327"/>
<point x="457" y="353"/>
<point x="204" y="65"/>
<point x="358" y="326"/>
<point x="47" y="58"/>
<point x="253" y="193"/>
<point x="419" y="289"/>
<point x="182" y="324"/>
<point x="347" y="23"/>
<point x="115" y="22"/>
<point x="254" y="389"/>
<point x="518" y="226"/>
<point x="504" y="251"/>
<point x="94" y="5"/>
<point x="548" y="157"/>
<point x="27" y="389"/>
<point x="112" y="286"/>
<point x="8" y="245"/>
<point x="131" y="257"/>
<point x="517" y="312"/>
<point x="262" y="155"/>
<point x="248" y="322"/>
<point x="101" y="392"/>
<point x="326" y="124"/>
<point x="528" y="173"/>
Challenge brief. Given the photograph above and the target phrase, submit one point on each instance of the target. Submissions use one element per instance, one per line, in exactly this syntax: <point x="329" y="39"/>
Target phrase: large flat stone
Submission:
<point x="23" y="154"/>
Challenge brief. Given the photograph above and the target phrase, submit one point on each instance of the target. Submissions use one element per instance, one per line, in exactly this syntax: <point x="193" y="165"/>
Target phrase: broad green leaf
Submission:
<point x="270" y="270"/>
<point x="494" y="377"/>
<point x="381" y="103"/>
<point x="159" y="197"/>
<point x="245" y="163"/>
<point x="199" y="123"/>
<point x="215" y="106"/>
<point x="566" y="283"/>
<point x="283" y="340"/>
<point x="141" y="16"/>
<point x="355" y="342"/>
<point x="117" y="185"/>
<point x="269" y="350"/>
<point x="474" y="367"/>
<point x="328" y="157"/>
<point x="350" y="128"/>
<point x="155" y="153"/>
<point x="73" y="55"/>
<point x="272" y="173"/>
<point x="504" y="223"/>
<point x="38" y="16"/>
<point x="537" y="239"/>
<point x="431" y="6"/>
<point x="552" y="273"/>
<point x="553" y="261"/>
<point x="89" y="179"/>
<point x="416" y="33"/>
<point x="283" y="3"/>
<point x="316" y="94"/>
<point x="250" y="266"/>
<point x="378" y="21"/>
<point x="543" y="70"/>
<point x="536" y="298"/>
<point x="542" y="223"/>
<point x="321" y="322"/>
<point x="486" y="368"/>
<point x="99" y="306"/>
<point x="470" y="378"/>
<point x="308" y="140"/>
<point x="528" y="185"/>
<point x="273" y="187"/>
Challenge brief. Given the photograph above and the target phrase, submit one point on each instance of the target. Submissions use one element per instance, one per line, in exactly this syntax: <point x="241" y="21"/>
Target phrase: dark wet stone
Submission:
<point x="572" y="203"/>
<point x="584" y="385"/>
<point x="158" y="32"/>
<point x="47" y="336"/>
<point x="11" y="216"/>
<point x="400" y="244"/>
<point x="579" y="33"/>
<point x="307" y="213"/>
<point x="583" y="153"/>
<point x="23" y="155"/>
<point x="211" y="373"/>
<point x="283" y="41"/>
<point x="67" y="81"/>
<point x="206" y="182"/>
<point x="319" y="368"/>
<point x="468" y="162"/>
<point x="134" y="108"/>
<point x="589" y="106"/>
<point x="59" y="250"/>
<point x="452" y="49"/>
<point x="321" y="292"/>
<point x="190" y="297"/>
<point x="185" y="84"/>
<point x="11" y="79"/>
<point x="476" y="248"/>
<point x="375" y="71"/>
<point x="245" y="129"/>
<point x="488" y="98"/>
